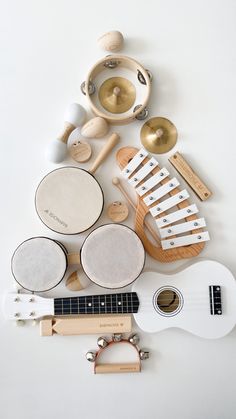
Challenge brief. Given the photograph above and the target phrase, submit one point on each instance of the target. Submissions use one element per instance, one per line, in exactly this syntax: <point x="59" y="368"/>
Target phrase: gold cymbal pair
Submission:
<point x="158" y="135"/>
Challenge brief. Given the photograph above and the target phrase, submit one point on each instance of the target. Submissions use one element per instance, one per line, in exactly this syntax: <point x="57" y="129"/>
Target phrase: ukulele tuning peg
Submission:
<point x="134" y="339"/>
<point x="91" y="356"/>
<point x="143" y="354"/>
<point x="117" y="337"/>
<point x="102" y="342"/>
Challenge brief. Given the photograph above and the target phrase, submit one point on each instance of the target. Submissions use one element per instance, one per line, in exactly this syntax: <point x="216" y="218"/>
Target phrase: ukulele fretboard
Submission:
<point x="97" y="304"/>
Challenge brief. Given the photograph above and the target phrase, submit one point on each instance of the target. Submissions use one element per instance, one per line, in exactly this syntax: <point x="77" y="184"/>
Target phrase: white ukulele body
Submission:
<point x="200" y="299"/>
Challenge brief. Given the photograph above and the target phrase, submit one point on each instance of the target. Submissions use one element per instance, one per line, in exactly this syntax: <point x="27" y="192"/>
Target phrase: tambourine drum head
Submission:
<point x="39" y="264"/>
<point x="69" y="200"/>
<point x="112" y="256"/>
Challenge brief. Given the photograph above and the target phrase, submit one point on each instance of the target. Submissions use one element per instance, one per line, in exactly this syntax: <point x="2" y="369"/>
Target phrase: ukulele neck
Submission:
<point x="97" y="304"/>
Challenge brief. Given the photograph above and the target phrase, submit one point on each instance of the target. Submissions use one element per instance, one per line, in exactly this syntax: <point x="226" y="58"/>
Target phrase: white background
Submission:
<point x="47" y="48"/>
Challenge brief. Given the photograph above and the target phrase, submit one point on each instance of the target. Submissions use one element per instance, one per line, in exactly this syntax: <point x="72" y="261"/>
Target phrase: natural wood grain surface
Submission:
<point x="123" y="156"/>
<point x="117" y="368"/>
<point x="194" y="181"/>
<point x="86" y="324"/>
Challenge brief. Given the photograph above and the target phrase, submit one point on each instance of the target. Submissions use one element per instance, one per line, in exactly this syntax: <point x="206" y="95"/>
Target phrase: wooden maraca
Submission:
<point x="74" y="117"/>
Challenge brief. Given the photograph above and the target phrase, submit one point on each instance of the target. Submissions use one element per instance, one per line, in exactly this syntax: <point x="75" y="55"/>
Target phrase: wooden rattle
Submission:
<point x="103" y="344"/>
<point x="111" y="41"/>
<point x="95" y="128"/>
<point x="74" y="117"/>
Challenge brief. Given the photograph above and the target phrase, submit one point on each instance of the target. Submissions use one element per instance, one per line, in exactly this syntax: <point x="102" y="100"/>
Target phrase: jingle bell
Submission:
<point x="91" y="356"/>
<point x="143" y="354"/>
<point x="134" y="339"/>
<point x="117" y="337"/>
<point x="102" y="342"/>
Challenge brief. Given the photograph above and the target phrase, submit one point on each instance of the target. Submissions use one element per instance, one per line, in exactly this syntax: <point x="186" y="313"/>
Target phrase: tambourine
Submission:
<point x="69" y="200"/>
<point x="112" y="256"/>
<point x="40" y="263"/>
<point x="118" y="89"/>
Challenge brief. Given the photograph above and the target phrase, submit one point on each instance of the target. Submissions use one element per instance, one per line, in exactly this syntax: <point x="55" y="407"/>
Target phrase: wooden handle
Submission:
<point x="117" y="368"/>
<point x="110" y="144"/>
<point x="73" y="259"/>
<point x="68" y="128"/>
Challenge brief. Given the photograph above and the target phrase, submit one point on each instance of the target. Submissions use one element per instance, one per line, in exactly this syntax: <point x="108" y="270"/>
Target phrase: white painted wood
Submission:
<point x="169" y="203"/>
<point x="176" y="216"/>
<point x="143" y="172"/>
<point x="185" y="240"/>
<point x="161" y="191"/>
<point x="152" y="182"/>
<point x="26" y="306"/>
<point x="193" y="285"/>
<point x="134" y="163"/>
<point x="182" y="228"/>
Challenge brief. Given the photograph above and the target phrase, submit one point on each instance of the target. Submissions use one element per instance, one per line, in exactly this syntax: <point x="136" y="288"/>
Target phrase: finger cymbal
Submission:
<point x="158" y="135"/>
<point x="117" y="94"/>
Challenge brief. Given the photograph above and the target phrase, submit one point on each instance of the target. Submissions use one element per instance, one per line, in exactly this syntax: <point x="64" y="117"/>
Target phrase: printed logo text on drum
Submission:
<point x="55" y="218"/>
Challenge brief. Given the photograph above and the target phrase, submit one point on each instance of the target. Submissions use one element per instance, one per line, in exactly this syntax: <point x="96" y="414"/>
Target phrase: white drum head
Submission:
<point x="39" y="264"/>
<point x="69" y="200"/>
<point x="112" y="256"/>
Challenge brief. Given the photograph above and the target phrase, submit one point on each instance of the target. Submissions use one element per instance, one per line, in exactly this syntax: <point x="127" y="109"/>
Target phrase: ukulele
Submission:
<point x="200" y="299"/>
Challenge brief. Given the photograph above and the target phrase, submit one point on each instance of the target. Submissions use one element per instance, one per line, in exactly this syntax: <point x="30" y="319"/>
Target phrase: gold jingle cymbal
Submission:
<point x="158" y="135"/>
<point x="117" y="94"/>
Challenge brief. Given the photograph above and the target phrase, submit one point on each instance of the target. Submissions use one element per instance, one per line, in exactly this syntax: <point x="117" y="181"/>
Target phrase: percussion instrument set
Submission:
<point x="69" y="200"/>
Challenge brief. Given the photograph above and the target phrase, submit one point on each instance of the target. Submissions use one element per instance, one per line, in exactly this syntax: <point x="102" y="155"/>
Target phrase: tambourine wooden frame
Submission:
<point x="130" y="64"/>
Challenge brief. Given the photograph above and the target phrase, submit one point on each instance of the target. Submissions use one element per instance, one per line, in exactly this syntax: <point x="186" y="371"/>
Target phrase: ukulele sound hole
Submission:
<point x="168" y="301"/>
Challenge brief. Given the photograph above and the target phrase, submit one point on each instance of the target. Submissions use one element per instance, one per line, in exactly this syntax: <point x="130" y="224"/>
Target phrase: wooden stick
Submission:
<point x="86" y="324"/>
<point x="117" y="368"/>
<point x="109" y="145"/>
<point x="187" y="173"/>
<point x="116" y="182"/>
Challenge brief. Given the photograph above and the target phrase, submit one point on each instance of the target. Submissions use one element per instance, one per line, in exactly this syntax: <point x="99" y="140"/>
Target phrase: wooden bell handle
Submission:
<point x="117" y="368"/>
<point x="109" y="145"/>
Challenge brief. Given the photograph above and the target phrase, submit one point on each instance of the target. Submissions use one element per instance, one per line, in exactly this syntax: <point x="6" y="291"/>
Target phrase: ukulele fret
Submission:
<point x="97" y="304"/>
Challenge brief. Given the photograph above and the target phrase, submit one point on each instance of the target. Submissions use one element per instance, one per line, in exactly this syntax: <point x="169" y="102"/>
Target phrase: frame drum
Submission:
<point x="112" y="256"/>
<point x="39" y="264"/>
<point x="69" y="200"/>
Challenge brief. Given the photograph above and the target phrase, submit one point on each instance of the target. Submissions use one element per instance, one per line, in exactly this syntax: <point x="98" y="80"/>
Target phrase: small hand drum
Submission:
<point x="118" y="89"/>
<point x="39" y="264"/>
<point x="112" y="256"/>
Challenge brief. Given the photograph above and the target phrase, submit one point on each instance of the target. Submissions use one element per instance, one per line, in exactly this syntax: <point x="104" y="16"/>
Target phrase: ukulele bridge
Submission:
<point x="215" y="300"/>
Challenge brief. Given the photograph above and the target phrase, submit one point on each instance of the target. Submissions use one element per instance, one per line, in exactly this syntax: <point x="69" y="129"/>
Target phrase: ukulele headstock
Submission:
<point x="18" y="306"/>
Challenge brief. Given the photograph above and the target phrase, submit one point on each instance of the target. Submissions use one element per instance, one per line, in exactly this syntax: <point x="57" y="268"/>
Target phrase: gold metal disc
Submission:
<point x="117" y="94"/>
<point x="158" y="135"/>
